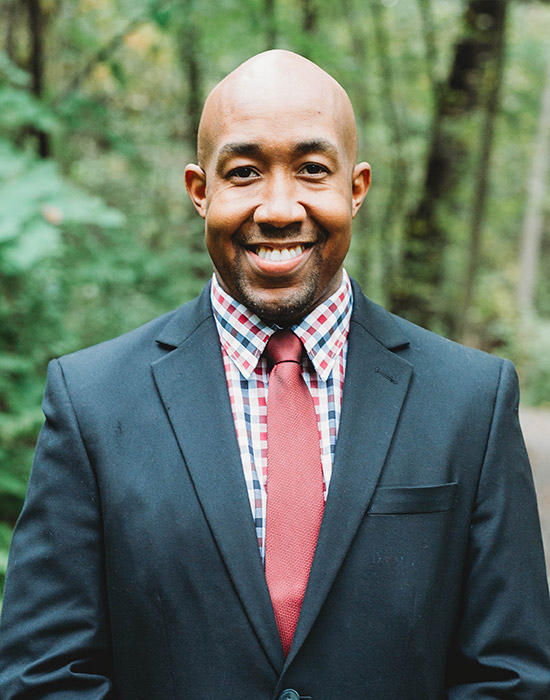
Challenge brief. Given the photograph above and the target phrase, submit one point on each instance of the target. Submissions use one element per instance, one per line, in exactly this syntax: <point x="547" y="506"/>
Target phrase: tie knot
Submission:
<point x="283" y="346"/>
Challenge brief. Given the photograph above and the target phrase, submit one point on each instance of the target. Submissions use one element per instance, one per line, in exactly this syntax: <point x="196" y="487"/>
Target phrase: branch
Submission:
<point x="101" y="55"/>
<point x="105" y="51"/>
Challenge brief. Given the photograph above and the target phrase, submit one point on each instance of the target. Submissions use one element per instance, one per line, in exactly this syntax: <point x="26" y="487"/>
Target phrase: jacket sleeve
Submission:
<point x="54" y="641"/>
<point x="502" y="643"/>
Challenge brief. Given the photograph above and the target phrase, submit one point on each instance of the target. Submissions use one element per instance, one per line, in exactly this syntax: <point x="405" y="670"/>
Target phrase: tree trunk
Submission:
<point x="189" y="43"/>
<point x="398" y="181"/>
<point x="36" y="36"/>
<point x="308" y="43"/>
<point x="533" y="222"/>
<point x="418" y="293"/>
<point x="309" y="17"/>
<point x="10" y="11"/>
<point x="430" y="44"/>
<point x="360" y="99"/>
<point x="270" y="24"/>
<point x="359" y="52"/>
<point x="494" y="82"/>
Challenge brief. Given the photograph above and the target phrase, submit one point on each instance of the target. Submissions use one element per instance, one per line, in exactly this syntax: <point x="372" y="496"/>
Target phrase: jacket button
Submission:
<point x="289" y="694"/>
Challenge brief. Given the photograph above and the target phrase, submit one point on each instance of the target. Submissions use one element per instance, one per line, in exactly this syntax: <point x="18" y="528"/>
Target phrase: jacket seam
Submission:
<point x="488" y="440"/>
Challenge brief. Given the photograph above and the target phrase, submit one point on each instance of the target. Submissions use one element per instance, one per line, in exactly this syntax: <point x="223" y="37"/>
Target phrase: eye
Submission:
<point x="243" y="173"/>
<point x="313" y="169"/>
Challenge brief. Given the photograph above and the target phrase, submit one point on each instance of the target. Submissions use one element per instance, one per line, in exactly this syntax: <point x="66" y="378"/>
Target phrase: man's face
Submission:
<point x="278" y="199"/>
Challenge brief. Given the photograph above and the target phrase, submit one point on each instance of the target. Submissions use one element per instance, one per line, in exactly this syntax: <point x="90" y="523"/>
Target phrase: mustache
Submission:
<point x="291" y="231"/>
<point x="295" y="231"/>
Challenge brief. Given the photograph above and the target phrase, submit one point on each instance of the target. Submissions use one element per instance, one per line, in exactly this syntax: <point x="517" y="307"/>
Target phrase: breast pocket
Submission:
<point x="393" y="500"/>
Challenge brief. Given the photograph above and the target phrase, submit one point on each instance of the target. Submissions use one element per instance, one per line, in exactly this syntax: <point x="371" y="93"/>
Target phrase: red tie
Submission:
<point x="295" y="499"/>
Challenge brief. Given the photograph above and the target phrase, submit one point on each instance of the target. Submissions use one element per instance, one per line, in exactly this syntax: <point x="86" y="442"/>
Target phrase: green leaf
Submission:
<point x="37" y="241"/>
<point x="35" y="201"/>
<point x="10" y="484"/>
<point x="12" y="73"/>
<point x="20" y="109"/>
<point x="75" y="206"/>
<point x="14" y="363"/>
<point x="5" y="535"/>
<point x="3" y="561"/>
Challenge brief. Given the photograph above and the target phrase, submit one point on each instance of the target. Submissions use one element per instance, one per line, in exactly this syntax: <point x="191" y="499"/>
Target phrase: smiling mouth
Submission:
<point x="275" y="254"/>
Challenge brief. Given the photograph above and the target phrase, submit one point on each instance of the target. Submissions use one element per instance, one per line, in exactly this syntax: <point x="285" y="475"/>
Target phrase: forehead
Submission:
<point x="279" y="119"/>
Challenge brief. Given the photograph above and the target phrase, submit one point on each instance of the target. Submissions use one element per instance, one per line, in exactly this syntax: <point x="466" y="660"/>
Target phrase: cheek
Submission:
<point x="220" y="247"/>
<point x="336" y="223"/>
<point x="220" y="225"/>
<point x="228" y="209"/>
<point x="332" y="208"/>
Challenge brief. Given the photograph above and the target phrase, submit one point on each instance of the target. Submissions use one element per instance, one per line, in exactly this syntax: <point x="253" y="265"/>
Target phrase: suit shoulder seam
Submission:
<point x="75" y="414"/>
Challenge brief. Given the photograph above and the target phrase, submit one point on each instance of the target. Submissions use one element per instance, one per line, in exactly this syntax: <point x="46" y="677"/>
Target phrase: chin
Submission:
<point x="288" y="310"/>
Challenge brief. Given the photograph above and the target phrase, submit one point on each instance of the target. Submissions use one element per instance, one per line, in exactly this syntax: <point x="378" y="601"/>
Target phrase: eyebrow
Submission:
<point x="252" y="150"/>
<point x="239" y="148"/>
<point x="316" y="146"/>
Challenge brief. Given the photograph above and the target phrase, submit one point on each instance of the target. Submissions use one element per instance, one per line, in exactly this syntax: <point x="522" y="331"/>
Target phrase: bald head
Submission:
<point x="261" y="85"/>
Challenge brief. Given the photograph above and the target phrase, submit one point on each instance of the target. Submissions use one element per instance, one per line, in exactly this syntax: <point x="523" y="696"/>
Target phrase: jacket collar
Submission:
<point x="376" y="321"/>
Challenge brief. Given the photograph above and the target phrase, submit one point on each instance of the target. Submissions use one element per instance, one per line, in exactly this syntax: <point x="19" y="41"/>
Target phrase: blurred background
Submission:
<point x="99" y="106"/>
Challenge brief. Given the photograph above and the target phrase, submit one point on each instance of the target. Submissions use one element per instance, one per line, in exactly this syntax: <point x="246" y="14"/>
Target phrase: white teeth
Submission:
<point x="276" y="254"/>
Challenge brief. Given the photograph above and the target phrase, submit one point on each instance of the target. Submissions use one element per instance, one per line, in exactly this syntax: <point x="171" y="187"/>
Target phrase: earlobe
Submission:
<point x="195" y="183"/>
<point x="360" y="185"/>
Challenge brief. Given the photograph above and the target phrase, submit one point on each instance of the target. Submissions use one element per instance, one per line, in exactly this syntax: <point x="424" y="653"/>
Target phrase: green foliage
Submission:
<point x="5" y="536"/>
<point x="34" y="202"/>
<point x="38" y="208"/>
<point x="18" y="108"/>
<point x="529" y="348"/>
<point x="11" y="74"/>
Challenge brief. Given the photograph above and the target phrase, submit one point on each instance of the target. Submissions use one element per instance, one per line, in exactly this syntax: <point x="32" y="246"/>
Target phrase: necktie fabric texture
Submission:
<point x="295" y="500"/>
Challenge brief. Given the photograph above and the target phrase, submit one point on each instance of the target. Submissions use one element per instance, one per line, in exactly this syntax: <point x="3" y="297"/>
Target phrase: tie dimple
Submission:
<point x="283" y="346"/>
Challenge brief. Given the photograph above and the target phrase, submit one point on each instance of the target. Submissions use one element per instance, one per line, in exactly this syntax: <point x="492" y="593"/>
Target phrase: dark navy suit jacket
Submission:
<point x="134" y="571"/>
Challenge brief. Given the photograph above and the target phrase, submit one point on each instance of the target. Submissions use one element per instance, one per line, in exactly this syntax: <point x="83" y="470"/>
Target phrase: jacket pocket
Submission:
<point x="389" y="500"/>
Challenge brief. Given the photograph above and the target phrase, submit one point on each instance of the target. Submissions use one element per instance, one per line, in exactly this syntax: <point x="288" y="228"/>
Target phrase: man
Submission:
<point x="143" y="565"/>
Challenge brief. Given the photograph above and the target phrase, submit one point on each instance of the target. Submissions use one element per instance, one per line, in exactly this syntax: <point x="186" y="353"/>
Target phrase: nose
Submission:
<point x="280" y="205"/>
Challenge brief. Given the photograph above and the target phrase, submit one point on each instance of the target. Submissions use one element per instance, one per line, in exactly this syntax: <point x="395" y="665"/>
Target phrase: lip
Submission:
<point x="276" y="268"/>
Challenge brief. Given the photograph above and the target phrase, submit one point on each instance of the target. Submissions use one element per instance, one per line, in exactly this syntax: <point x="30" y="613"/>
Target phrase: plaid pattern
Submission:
<point x="243" y="338"/>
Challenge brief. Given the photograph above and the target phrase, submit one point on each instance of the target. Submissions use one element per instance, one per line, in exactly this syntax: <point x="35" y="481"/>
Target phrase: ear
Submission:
<point x="195" y="182"/>
<point x="360" y="184"/>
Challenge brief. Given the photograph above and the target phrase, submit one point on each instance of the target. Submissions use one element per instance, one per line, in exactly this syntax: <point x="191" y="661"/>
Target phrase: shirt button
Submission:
<point x="289" y="694"/>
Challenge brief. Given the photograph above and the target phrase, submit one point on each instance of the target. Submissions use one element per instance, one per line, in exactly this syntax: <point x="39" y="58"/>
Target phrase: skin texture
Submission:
<point x="277" y="148"/>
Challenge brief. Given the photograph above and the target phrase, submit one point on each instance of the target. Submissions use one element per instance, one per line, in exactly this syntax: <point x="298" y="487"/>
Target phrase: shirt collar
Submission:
<point x="244" y="335"/>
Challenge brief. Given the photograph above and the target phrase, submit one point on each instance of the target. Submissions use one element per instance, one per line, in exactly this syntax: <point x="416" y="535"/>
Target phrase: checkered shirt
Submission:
<point x="243" y="338"/>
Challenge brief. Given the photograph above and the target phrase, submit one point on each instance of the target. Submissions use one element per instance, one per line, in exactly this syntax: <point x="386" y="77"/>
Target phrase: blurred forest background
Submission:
<point x="99" y="105"/>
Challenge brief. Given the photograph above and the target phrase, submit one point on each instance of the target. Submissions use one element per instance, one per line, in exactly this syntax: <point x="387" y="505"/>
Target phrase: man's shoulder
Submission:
<point x="419" y="346"/>
<point x="423" y="340"/>
<point x="451" y="368"/>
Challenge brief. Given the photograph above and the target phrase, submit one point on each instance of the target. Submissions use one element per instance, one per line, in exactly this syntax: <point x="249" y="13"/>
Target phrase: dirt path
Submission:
<point x="536" y="429"/>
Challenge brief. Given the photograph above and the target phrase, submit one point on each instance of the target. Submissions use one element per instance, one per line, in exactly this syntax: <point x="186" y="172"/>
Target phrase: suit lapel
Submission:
<point x="191" y="382"/>
<point x="375" y="387"/>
